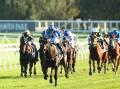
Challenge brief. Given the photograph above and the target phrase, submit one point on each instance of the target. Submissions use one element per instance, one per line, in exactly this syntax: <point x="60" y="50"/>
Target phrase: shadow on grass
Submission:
<point x="10" y="77"/>
<point x="19" y="77"/>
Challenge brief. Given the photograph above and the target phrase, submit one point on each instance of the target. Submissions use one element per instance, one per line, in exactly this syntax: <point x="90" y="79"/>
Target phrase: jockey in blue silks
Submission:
<point x="70" y="37"/>
<point x="53" y="33"/>
<point x="116" y="34"/>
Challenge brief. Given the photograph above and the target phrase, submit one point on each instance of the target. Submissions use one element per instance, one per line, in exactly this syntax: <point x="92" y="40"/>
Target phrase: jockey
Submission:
<point x="69" y="36"/>
<point x="94" y="33"/>
<point x="53" y="33"/>
<point x="115" y="35"/>
<point x="26" y="36"/>
<point x="105" y="41"/>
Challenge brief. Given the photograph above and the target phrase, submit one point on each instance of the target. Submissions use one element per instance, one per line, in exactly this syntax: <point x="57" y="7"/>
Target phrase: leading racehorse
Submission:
<point x="50" y="57"/>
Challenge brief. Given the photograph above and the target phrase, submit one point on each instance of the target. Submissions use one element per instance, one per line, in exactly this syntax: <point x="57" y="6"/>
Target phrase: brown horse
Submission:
<point x="114" y="54"/>
<point x="28" y="55"/>
<point x="52" y="58"/>
<point x="96" y="53"/>
<point x="71" y="56"/>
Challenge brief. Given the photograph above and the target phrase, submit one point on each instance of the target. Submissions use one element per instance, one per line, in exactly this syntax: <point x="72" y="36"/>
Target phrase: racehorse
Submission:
<point x="114" y="54"/>
<point x="51" y="58"/>
<point x="71" y="56"/>
<point x="28" y="55"/>
<point x="96" y="53"/>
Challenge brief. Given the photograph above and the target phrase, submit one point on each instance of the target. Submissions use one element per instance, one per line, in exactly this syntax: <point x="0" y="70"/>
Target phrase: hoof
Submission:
<point x="21" y="75"/>
<point x="45" y="77"/>
<point x="73" y="70"/>
<point x="67" y="76"/>
<point x="51" y="81"/>
<point x="25" y="76"/>
<point x="90" y="73"/>
<point x="35" y="73"/>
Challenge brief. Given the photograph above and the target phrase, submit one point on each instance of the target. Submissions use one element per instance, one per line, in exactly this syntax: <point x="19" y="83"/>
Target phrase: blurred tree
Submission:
<point x="99" y="9"/>
<point x="38" y="9"/>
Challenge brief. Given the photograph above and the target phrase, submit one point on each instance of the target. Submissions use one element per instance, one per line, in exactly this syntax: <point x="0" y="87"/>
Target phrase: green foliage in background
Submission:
<point x="38" y="9"/>
<point x="60" y="9"/>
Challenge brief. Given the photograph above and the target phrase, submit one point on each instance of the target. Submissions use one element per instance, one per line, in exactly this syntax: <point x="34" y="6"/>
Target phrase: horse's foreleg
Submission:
<point x="90" y="72"/>
<point x="117" y="63"/>
<point x="30" y="69"/>
<point x="51" y="81"/>
<point x="99" y="65"/>
<point x="108" y="63"/>
<point x="21" y="64"/>
<point x="34" y="68"/>
<point x="93" y="66"/>
<point x="113" y="65"/>
<point x="42" y="65"/>
<point x="55" y="76"/>
<point x="45" y="72"/>
<point x="105" y="65"/>
<point x="60" y="69"/>
<point x="65" y="68"/>
<point x="25" y="70"/>
<point x="73" y="64"/>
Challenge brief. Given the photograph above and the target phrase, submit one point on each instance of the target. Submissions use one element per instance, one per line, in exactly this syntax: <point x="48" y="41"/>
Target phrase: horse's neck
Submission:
<point x="52" y="51"/>
<point x="98" y="47"/>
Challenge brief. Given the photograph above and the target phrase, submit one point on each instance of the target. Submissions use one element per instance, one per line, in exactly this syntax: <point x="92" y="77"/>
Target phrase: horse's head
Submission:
<point x="94" y="40"/>
<point x="68" y="47"/>
<point x="27" y="47"/>
<point x="65" y="43"/>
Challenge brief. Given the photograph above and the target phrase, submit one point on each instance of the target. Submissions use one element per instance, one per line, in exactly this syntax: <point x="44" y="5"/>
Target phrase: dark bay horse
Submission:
<point x="28" y="55"/>
<point x="114" y="54"/>
<point x="50" y="57"/>
<point x="96" y="54"/>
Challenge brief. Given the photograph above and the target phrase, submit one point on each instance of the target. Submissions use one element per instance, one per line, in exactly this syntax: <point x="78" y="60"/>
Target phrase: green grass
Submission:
<point x="10" y="79"/>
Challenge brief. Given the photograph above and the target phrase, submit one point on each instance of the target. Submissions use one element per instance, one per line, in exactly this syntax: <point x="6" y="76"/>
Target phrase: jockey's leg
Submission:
<point x="59" y="46"/>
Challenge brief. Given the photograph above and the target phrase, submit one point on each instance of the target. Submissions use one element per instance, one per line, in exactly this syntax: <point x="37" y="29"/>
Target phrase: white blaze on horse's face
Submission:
<point x="48" y="40"/>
